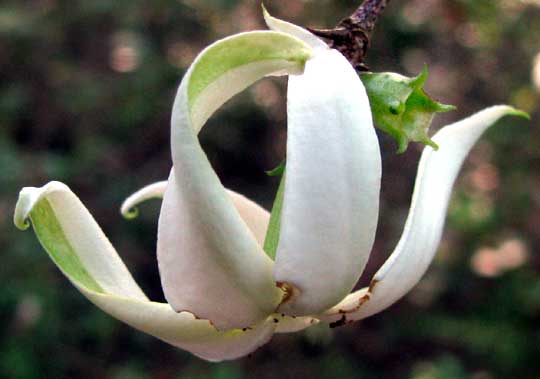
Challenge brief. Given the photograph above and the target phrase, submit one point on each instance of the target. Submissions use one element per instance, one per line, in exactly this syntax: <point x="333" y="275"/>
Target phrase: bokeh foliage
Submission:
<point x="85" y="98"/>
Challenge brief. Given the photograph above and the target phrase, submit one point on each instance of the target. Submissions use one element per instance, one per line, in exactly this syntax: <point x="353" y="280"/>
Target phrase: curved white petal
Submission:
<point x="78" y="247"/>
<point x="183" y="330"/>
<point x="437" y="172"/>
<point x="151" y="191"/>
<point x="74" y="240"/>
<point x="209" y="261"/>
<point x="331" y="197"/>
<point x="294" y="30"/>
<point x="254" y="216"/>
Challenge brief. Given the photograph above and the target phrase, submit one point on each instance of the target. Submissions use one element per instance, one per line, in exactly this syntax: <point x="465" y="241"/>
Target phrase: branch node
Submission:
<point x="351" y="36"/>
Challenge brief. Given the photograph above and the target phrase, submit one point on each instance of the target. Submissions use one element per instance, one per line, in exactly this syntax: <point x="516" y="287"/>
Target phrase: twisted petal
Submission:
<point x="79" y="248"/>
<point x="331" y="197"/>
<point x="255" y="217"/>
<point x="437" y="172"/>
<point x="210" y="263"/>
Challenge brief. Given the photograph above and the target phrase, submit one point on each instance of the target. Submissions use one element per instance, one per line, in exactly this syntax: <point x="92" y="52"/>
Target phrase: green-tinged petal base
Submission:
<point x="78" y="247"/>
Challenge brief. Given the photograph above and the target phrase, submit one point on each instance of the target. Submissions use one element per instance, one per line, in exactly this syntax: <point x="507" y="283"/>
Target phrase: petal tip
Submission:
<point x="518" y="112"/>
<point x="129" y="209"/>
<point x="445" y="107"/>
<point x="294" y="30"/>
<point x="129" y="213"/>
<point x="431" y="144"/>
<point x="28" y="198"/>
<point x="20" y="218"/>
<point x="266" y="15"/>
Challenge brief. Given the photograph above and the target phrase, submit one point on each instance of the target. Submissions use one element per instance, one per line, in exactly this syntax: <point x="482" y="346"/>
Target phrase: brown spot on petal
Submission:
<point x="364" y="299"/>
<point x="361" y="301"/>
<point x="289" y="291"/>
<point x="372" y="285"/>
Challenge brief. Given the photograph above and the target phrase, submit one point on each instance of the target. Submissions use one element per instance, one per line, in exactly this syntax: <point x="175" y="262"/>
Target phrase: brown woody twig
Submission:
<point x="352" y="35"/>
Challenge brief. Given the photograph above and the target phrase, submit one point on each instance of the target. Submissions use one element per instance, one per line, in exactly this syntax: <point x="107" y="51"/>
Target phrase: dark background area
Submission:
<point x="86" y="91"/>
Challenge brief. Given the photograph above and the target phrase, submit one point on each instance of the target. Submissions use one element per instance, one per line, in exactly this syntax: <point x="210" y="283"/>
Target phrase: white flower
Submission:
<point x="225" y="296"/>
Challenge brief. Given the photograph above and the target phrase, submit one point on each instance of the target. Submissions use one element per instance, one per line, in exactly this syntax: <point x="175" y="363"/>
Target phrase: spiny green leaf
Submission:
<point x="401" y="108"/>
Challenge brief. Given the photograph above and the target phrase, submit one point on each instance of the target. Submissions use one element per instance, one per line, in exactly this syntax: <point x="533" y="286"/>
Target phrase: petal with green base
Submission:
<point x="74" y="240"/>
<point x="79" y="248"/>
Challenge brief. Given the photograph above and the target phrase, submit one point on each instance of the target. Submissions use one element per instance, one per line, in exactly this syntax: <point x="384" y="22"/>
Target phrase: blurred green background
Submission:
<point x="85" y="96"/>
